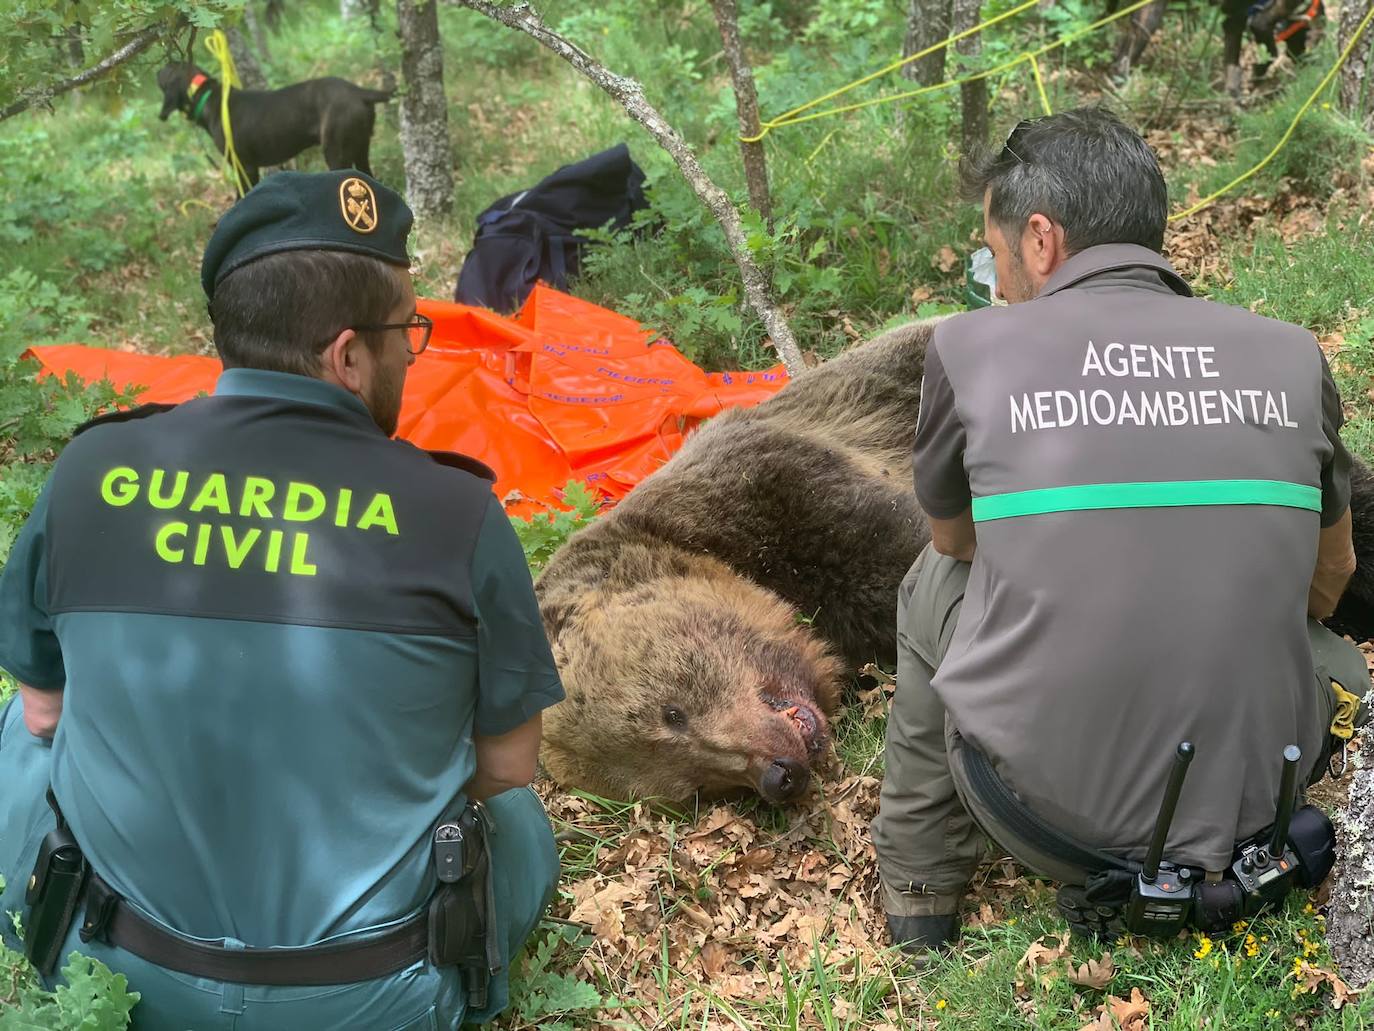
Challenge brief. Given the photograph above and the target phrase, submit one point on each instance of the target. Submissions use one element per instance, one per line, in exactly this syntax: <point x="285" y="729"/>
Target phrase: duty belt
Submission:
<point x="63" y="879"/>
<point x="1156" y="897"/>
<point x="111" y="919"/>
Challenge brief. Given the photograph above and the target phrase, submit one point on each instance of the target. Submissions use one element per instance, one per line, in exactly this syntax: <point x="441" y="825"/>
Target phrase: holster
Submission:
<point x="54" y="892"/>
<point x="461" y="914"/>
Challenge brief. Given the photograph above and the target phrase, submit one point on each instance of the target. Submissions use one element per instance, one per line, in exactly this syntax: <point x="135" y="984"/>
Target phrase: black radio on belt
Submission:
<point x="1298" y="850"/>
<point x="1163" y="894"/>
<point x="1267" y="868"/>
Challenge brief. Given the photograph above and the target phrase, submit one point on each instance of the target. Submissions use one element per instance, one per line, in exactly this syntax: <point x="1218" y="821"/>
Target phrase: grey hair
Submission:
<point x="1084" y="169"/>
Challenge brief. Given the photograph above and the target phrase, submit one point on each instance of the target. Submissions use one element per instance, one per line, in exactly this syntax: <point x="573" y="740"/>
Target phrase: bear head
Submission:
<point x="697" y="680"/>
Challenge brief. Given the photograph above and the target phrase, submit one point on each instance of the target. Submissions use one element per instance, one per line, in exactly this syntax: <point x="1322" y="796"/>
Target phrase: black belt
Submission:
<point x="111" y="919"/>
<point x="1023" y="822"/>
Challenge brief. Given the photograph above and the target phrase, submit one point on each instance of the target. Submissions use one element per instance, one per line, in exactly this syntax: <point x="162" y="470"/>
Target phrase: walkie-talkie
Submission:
<point x="1266" y="869"/>
<point x="1163" y="893"/>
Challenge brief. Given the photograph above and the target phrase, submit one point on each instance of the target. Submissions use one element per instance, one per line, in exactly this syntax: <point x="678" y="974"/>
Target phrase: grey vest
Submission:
<point x="1147" y="473"/>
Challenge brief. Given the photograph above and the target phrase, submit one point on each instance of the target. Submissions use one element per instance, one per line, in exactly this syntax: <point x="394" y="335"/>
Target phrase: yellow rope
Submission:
<point x="218" y="45"/>
<point x="1292" y="126"/>
<point x="786" y="115"/>
<point x="1040" y="86"/>
<point x="794" y="116"/>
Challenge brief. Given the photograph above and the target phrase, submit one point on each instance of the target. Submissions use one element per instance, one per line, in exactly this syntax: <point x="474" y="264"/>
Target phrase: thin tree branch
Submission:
<point x="746" y="106"/>
<point x="43" y="94"/>
<point x="630" y="95"/>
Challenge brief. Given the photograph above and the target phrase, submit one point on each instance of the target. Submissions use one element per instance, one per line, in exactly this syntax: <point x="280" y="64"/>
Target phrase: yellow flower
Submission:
<point x="1204" y="948"/>
<point x="1239" y="926"/>
<point x="1264" y="937"/>
<point x="1273" y="1014"/>
<point x="1298" y="966"/>
<point x="1011" y="922"/>
<point x="1251" y="946"/>
<point x="1308" y="908"/>
<point x="1309" y="948"/>
<point x="941" y="1004"/>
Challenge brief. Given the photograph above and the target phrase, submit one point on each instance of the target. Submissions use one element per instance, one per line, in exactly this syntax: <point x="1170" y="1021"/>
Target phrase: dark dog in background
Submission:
<point x="272" y="126"/>
<point x="1270" y="23"/>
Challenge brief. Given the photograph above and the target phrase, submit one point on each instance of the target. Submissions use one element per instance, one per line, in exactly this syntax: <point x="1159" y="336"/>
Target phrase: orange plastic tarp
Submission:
<point x="565" y="390"/>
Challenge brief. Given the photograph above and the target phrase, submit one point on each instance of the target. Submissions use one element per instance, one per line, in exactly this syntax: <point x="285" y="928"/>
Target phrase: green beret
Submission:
<point x="342" y="210"/>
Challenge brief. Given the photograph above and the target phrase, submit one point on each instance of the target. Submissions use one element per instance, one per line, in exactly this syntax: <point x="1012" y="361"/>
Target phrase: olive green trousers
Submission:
<point x="930" y="829"/>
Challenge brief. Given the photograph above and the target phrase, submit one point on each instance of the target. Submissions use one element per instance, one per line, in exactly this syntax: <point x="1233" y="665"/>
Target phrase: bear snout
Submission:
<point x="784" y="780"/>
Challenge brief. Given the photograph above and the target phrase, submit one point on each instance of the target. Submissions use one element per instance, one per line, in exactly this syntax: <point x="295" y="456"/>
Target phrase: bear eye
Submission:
<point x="674" y="717"/>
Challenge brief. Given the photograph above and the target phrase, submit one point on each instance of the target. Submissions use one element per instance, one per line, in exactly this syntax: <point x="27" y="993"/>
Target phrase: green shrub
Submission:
<point x="37" y="417"/>
<point x="543" y="534"/>
<point x="91" y="999"/>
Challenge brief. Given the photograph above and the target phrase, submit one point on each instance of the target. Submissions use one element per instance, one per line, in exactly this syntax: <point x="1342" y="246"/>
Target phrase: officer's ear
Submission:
<point x="1042" y="247"/>
<point x="345" y="361"/>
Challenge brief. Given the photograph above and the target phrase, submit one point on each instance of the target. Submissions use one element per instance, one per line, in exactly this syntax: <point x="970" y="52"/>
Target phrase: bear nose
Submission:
<point x="784" y="780"/>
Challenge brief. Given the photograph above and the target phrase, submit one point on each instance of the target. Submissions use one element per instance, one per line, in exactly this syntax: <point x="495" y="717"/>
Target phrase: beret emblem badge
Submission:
<point x="358" y="205"/>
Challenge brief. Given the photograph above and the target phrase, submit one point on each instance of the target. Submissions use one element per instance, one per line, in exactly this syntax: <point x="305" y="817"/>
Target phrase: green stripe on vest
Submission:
<point x="1163" y="494"/>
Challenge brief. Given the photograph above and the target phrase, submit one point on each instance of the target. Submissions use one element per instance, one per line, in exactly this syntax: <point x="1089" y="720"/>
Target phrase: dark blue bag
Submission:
<point x="532" y="235"/>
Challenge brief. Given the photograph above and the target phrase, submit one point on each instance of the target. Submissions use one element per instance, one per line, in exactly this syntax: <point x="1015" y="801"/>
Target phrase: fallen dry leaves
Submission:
<point x="1048" y="958"/>
<point x="1131" y="1014"/>
<point x="725" y="900"/>
<point x="1096" y="973"/>
<point x="1312" y="978"/>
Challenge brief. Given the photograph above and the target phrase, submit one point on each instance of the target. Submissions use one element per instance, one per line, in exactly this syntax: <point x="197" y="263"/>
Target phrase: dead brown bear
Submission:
<point x="703" y="625"/>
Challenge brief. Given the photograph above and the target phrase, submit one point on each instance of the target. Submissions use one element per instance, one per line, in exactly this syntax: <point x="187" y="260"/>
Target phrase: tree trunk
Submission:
<point x="1355" y="98"/>
<point x="250" y="72"/>
<point x="1351" y="918"/>
<point x="76" y="50"/>
<point x="630" y="95"/>
<point x="259" y="38"/>
<point x="424" y="110"/>
<point x="973" y="95"/>
<point x="927" y="23"/>
<point x="747" y="106"/>
<point x="1134" y="37"/>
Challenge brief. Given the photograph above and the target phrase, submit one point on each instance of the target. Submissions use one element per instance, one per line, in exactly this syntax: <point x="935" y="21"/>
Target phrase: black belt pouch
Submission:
<point x="454" y="924"/>
<point x="53" y="894"/>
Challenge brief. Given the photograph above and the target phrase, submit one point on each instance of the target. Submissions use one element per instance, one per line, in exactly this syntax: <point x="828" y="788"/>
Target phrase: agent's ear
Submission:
<point x="1043" y="247"/>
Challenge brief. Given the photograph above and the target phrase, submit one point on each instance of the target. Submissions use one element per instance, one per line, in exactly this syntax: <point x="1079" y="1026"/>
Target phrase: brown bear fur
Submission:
<point x="753" y="568"/>
<point x="749" y="573"/>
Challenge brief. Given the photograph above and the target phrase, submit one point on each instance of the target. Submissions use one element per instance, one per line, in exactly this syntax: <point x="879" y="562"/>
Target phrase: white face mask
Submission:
<point x="983" y="271"/>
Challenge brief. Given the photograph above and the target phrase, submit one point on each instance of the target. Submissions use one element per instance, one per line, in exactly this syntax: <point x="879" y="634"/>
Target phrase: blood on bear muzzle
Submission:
<point x="804" y="719"/>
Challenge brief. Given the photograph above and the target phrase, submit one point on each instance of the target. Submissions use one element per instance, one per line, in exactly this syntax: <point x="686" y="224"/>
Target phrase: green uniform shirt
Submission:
<point x="277" y="631"/>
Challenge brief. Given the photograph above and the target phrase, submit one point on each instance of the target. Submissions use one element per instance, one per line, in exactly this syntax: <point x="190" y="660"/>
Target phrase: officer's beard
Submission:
<point x="1018" y="286"/>
<point x="384" y="399"/>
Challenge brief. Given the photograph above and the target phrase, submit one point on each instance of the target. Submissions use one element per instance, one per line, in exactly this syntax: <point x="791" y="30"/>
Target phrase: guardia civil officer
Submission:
<point x="1153" y="496"/>
<point x="270" y="658"/>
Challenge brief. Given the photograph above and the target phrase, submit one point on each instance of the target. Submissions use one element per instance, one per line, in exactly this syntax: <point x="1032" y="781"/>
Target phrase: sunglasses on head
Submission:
<point x="1013" y="137"/>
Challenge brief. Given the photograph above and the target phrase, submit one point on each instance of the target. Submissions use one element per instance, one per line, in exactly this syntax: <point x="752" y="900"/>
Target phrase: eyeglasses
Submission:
<point x="418" y="330"/>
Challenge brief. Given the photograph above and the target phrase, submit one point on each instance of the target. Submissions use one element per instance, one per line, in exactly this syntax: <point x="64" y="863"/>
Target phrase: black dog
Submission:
<point x="1270" y="22"/>
<point x="272" y="126"/>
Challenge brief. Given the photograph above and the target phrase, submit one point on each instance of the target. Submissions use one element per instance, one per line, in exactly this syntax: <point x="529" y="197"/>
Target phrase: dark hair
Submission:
<point x="1085" y="169"/>
<point x="280" y="311"/>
